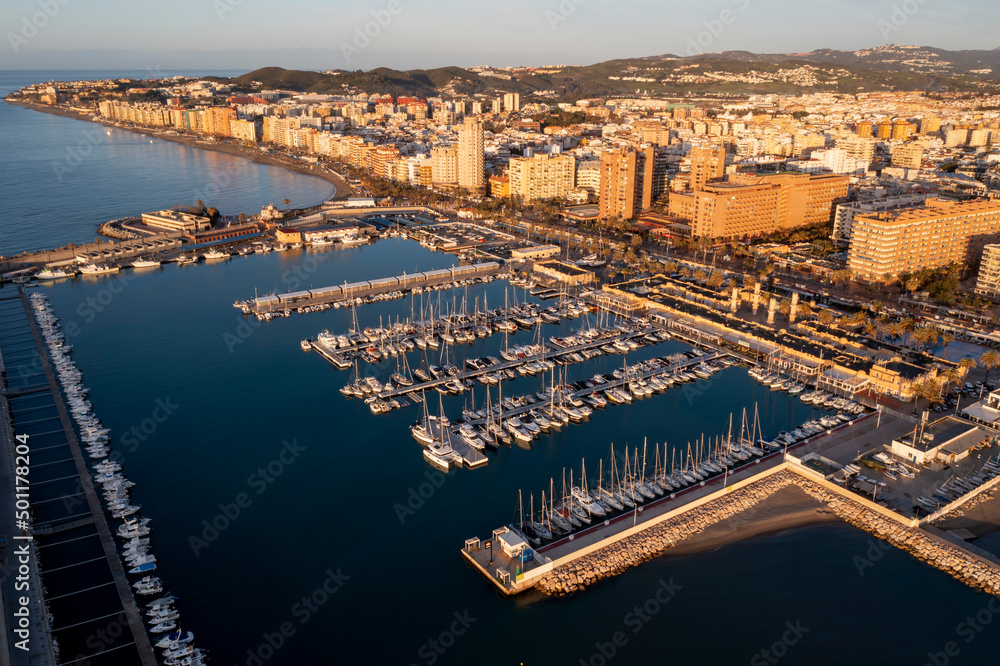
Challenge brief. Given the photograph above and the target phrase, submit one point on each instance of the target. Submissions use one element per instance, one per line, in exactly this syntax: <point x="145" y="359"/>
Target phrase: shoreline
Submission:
<point x="342" y="189"/>
<point x="788" y="508"/>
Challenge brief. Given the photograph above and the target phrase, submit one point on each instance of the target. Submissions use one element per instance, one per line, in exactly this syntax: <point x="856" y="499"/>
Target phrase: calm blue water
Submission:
<point x="68" y="176"/>
<point x="331" y="503"/>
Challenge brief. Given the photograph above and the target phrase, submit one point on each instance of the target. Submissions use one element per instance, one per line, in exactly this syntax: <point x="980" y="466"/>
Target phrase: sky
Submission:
<point x="411" y="34"/>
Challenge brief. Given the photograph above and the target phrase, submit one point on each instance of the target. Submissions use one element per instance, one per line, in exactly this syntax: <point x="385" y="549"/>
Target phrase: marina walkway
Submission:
<point x="87" y="593"/>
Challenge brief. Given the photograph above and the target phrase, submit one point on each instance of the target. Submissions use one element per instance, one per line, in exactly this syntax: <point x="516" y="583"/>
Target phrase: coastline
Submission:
<point x="788" y="508"/>
<point x="342" y="189"/>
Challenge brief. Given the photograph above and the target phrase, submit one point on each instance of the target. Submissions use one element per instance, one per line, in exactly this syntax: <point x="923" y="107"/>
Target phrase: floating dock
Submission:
<point x="74" y="558"/>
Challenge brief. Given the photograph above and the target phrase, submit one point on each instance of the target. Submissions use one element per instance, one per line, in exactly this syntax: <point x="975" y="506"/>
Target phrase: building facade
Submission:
<point x="943" y="232"/>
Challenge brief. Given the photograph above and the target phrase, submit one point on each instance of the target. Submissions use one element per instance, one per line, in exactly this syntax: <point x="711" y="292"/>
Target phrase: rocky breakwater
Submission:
<point x="649" y="543"/>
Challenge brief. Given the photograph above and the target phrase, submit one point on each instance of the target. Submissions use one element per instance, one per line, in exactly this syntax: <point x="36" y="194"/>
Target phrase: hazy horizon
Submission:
<point x="411" y="34"/>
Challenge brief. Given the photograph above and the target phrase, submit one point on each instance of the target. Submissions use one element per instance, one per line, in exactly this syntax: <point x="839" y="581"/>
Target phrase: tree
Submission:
<point x="785" y="307"/>
<point x="948" y="377"/>
<point x="966" y="363"/>
<point x="925" y="334"/>
<point x="906" y="326"/>
<point x="946" y="338"/>
<point x="715" y="280"/>
<point x="636" y="241"/>
<point x="700" y="275"/>
<point x="826" y="317"/>
<point x="286" y="201"/>
<point x="989" y="359"/>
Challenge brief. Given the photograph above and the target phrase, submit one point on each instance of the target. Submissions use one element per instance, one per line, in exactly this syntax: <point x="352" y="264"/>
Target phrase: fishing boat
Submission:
<point x="145" y="263"/>
<point x="215" y="254"/>
<point x="98" y="269"/>
<point x="49" y="274"/>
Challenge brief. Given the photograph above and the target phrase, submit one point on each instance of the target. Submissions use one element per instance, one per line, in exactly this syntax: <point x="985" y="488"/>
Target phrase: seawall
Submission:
<point x="972" y="569"/>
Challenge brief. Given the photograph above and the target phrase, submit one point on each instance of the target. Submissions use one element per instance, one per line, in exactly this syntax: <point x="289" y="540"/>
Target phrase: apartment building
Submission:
<point x="751" y="205"/>
<point x="707" y="164"/>
<point x="942" y="232"/>
<point x="907" y="155"/>
<point x="846" y="212"/>
<point x="988" y="283"/>
<point x="542" y="176"/>
<point x="471" y="167"/>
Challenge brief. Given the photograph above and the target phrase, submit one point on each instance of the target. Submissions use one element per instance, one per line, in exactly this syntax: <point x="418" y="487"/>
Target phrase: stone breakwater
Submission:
<point x="649" y="543"/>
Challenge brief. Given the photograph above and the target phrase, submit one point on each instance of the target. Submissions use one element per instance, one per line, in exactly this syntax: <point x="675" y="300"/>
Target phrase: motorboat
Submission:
<point x="98" y="269"/>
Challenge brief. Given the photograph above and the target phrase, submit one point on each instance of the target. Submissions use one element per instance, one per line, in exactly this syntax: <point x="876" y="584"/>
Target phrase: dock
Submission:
<point x="74" y="557"/>
<point x="470" y="456"/>
<point x="264" y="305"/>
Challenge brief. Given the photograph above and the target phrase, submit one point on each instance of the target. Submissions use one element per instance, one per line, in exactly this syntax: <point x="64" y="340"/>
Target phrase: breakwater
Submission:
<point x="971" y="569"/>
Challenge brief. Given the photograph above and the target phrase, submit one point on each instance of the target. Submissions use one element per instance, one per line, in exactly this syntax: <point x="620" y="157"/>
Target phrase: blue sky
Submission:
<point x="310" y="34"/>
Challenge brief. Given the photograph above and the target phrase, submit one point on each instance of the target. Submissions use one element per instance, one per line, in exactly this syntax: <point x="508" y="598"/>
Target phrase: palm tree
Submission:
<point x="895" y="329"/>
<point x="805" y="310"/>
<point x="826" y="317"/>
<point x="716" y="280"/>
<point x="950" y="376"/>
<point x="785" y="307"/>
<point x="907" y="327"/>
<point x="966" y="363"/>
<point x="286" y="201"/>
<point x="925" y="334"/>
<point x="989" y="359"/>
<point x="946" y="337"/>
<point x="700" y="275"/>
<point x="870" y="329"/>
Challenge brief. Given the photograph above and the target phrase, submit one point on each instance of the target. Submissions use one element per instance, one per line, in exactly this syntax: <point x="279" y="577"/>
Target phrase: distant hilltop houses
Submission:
<point x="733" y="168"/>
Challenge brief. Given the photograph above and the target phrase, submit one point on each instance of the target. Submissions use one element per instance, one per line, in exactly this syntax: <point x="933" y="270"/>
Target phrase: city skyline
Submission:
<point x="234" y="34"/>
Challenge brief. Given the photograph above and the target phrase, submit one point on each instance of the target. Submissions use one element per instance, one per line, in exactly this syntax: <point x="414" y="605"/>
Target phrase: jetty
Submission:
<point x="78" y="585"/>
<point x="273" y="303"/>
<point x="820" y="466"/>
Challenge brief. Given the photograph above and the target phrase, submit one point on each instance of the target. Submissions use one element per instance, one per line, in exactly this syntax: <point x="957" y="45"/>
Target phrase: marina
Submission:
<point x="133" y="556"/>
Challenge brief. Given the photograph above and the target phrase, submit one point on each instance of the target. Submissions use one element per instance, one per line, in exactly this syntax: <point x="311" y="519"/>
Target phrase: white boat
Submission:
<point x="184" y="259"/>
<point x="215" y="254"/>
<point x="439" y="454"/>
<point x="145" y="263"/>
<point x="306" y="345"/>
<point x="321" y="241"/>
<point x="49" y="274"/>
<point x="354" y="240"/>
<point x="98" y="269"/>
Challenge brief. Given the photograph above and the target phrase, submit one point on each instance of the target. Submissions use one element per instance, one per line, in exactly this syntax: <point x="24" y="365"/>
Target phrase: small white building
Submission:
<point x="535" y="252"/>
<point x="947" y="440"/>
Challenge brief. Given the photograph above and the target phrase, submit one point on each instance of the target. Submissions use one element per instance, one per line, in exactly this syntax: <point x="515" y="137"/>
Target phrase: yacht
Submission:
<point x="145" y="263"/>
<point x="306" y="345"/>
<point x="49" y="274"/>
<point x="184" y="259"/>
<point x="321" y="241"/>
<point x="98" y="269"/>
<point x="439" y="454"/>
<point x="354" y="240"/>
<point x="215" y="254"/>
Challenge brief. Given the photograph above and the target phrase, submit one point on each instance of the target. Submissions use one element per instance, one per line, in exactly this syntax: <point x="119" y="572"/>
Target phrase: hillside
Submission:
<point x="883" y="68"/>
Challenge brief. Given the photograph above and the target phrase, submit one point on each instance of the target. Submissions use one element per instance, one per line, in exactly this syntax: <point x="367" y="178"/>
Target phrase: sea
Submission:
<point x="295" y="527"/>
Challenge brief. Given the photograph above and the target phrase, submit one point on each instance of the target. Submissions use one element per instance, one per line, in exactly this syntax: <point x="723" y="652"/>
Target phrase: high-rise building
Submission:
<point x="512" y="102"/>
<point x="542" y="176"/>
<point x="956" y="137"/>
<point x="444" y="166"/>
<point x="752" y="205"/>
<point x="988" y="283"/>
<point x="883" y="130"/>
<point x="497" y="105"/>
<point x="884" y="245"/>
<point x="930" y="124"/>
<point x="707" y="164"/>
<point x="979" y="137"/>
<point x="901" y="130"/>
<point x="863" y="129"/>
<point x="471" y="173"/>
<point x="629" y="182"/>
<point x="588" y="176"/>
<point x="846" y="212"/>
<point x="907" y="155"/>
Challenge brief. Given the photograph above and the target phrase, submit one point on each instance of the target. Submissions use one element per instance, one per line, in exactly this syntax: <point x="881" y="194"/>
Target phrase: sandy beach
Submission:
<point x="343" y="189"/>
<point x="787" y="508"/>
